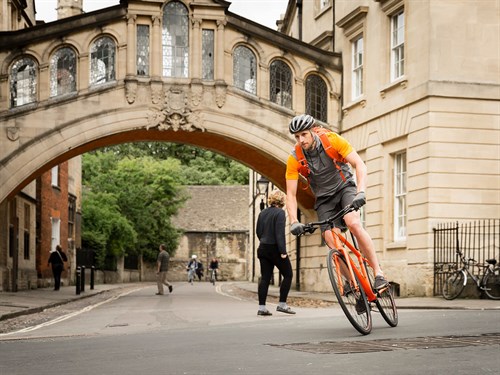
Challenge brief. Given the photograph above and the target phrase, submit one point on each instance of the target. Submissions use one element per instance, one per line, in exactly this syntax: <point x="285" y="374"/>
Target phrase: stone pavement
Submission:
<point x="35" y="300"/>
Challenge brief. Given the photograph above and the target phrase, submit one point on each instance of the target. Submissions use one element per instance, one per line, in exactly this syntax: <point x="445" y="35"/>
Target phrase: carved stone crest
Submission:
<point x="220" y="94"/>
<point x="176" y="114"/>
<point x="13" y="133"/>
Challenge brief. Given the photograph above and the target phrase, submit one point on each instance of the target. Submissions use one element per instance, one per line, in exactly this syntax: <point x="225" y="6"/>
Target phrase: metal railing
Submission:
<point x="478" y="239"/>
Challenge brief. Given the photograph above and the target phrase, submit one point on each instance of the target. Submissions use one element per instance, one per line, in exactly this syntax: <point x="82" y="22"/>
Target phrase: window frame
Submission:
<point x="179" y="54"/>
<point x="397" y="44"/>
<point x="357" y="81"/>
<point x="281" y="82"/>
<point x="400" y="177"/>
<point x="248" y="70"/>
<point x="322" y="113"/>
<point x="143" y="52"/>
<point x="57" y="89"/>
<point x="30" y="74"/>
<point x="109" y="61"/>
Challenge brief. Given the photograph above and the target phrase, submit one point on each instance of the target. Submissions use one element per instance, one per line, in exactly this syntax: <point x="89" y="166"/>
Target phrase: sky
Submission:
<point x="265" y="12"/>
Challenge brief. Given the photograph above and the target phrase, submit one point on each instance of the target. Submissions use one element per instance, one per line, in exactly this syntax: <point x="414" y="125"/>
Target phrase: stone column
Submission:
<point x="156" y="55"/>
<point x="131" y="45"/>
<point x="219" y="45"/>
<point x="196" y="39"/>
<point x="44" y="79"/>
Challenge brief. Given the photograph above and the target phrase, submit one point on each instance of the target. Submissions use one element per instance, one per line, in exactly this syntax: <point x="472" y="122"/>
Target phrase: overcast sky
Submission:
<point x="265" y="12"/>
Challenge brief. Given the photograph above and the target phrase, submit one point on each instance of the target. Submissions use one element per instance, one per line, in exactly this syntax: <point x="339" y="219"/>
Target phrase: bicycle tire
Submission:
<point x="454" y="285"/>
<point x="362" y="321"/>
<point x="385" y="302"/>
<point x="491" y="283"/>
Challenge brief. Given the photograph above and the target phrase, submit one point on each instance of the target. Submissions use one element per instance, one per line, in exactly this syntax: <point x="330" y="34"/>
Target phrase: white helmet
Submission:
<point x="194" y="256"/>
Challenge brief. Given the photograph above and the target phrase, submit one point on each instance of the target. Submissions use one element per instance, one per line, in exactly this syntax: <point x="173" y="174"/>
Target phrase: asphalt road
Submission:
<point x="201" y="329"/>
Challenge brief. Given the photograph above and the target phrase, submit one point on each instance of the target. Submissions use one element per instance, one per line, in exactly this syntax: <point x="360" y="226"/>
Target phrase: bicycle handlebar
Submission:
<point x="312" y="226"/>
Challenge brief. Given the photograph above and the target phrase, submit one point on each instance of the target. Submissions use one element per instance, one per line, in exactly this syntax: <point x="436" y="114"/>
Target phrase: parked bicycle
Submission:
<point x="455" y="283"/>
<point x="352" y="280"/>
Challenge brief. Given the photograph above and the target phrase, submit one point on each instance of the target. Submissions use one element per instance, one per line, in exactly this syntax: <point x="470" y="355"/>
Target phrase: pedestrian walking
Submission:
<point x="162" y="268"/>
<point x="57" y="258"/>
<point x="272" y="252"/>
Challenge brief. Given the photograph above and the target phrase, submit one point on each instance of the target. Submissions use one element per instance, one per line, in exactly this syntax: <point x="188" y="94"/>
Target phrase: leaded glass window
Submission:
<point x="207" y="54"/>
<point x="316" y="97"/>
<point x="102" y="61"/>
<point x="245" y="69"/>
<point x="142" y="50"/>
<point x="175" y="40"/>
<point x="281" y="84"/>
<point x="23" y="77"/>
<point x="63" y="72"/>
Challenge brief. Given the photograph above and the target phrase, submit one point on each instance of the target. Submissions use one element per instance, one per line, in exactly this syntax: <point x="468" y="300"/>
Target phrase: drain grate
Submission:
<point x="350" y="347"/>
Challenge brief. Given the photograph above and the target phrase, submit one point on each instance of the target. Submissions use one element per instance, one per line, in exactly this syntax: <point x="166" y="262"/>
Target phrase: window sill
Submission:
<point x="359" y="102"/>
<point x="399" y="245"/>
<point x="400" y="82"/>
<point x="322" y="11"/>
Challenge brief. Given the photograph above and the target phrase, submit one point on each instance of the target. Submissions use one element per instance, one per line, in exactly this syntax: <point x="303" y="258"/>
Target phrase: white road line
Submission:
<point x="67" y="316"/>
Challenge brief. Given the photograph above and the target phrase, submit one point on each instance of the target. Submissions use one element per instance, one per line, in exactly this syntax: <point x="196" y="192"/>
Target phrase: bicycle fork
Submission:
<point x="360" y="273"/>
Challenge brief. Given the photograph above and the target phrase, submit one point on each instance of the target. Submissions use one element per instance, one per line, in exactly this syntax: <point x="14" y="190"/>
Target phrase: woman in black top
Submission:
<point x="272" y="252"/>
<point x="57" y="258"/>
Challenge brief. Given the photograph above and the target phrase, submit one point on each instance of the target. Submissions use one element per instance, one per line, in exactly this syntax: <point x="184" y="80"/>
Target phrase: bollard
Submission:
<point x="83" y="279"/>
<point x="92" y="276"/>
<point x="77" y="280"/>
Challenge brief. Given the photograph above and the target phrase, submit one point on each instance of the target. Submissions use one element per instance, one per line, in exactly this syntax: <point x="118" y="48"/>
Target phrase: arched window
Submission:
<point x="63" y="72"/>
<point x="175" y="40"/>
<point x="281" y="84"/>
<point x="245" y="69"/>
<point x="23" y="82"/>
<point x="102" y="61"/>
<point x="316" y="97"/>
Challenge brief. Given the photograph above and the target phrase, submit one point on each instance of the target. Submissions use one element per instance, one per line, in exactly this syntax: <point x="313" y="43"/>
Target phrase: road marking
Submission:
<point x="68" y="316"/>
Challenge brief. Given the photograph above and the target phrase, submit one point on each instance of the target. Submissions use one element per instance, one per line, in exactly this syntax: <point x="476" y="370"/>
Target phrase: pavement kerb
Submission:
<point x="414" y="303"/>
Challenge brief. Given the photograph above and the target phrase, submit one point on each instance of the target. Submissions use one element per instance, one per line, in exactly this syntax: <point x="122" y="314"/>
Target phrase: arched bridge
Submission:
<point x="189" y="72"/>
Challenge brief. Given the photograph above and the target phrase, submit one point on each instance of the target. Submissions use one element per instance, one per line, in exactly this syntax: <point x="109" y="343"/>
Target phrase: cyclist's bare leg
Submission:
<point x="365" y="242"/>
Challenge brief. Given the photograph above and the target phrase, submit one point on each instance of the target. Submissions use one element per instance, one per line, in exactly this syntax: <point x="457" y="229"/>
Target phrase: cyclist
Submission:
<point x="332" y="184"/>
<point x="193" y="268"/>
<point x="214" y="266"/>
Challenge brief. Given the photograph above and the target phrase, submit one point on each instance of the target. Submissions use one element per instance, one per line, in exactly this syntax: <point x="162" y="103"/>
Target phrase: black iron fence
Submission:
<point x="479" y="240"/>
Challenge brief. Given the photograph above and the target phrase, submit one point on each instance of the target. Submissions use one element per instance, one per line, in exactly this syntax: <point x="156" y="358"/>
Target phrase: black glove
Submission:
<point x="297" y="229"/>
<point x="359" y="200"/>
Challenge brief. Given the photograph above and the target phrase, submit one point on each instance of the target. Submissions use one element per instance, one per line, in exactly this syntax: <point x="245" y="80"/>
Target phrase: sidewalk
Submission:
<point x="36" y="300"/>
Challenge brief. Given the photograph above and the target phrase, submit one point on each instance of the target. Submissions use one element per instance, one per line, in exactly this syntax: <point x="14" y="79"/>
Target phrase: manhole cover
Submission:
<point x="349" y="347"/>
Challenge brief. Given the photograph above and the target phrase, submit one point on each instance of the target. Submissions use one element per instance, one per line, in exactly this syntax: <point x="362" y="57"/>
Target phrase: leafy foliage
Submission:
<point x="131" y="192"/>
<point x="140" y="193"/>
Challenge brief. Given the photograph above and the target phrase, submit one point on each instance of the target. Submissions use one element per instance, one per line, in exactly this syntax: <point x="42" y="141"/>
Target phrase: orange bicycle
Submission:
<point x="352" y="280"/>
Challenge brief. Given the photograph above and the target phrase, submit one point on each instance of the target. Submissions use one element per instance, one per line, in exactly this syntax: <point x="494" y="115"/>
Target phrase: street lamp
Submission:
<point x="262" y="187"/>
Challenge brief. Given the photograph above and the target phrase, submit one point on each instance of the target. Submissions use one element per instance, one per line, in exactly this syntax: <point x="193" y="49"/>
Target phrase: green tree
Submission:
<point x="146" y="192"/>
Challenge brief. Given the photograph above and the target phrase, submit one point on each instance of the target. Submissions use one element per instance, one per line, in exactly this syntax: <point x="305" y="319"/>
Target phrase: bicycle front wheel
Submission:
<point x="351" y="297"/>
<point x="454" y="285"/>
<point x="385" y="299"/>
<point x="491" y="283"/>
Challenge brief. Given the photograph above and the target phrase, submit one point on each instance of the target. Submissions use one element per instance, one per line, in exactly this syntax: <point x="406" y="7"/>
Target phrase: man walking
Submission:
<point x="162" y="268"/>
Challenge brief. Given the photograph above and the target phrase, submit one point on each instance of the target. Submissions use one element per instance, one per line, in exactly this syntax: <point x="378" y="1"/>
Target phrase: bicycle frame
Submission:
<point x="359" y="271"/>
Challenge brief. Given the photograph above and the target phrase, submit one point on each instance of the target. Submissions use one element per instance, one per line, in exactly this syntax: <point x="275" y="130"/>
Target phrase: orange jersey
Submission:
<point x="340" y="144"/>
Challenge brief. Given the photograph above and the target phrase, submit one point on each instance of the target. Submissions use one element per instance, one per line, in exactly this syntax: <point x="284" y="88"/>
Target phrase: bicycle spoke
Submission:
<point x="350" y="296"/>
<point x="453" y="285"/>
<point x="492" y="283"/>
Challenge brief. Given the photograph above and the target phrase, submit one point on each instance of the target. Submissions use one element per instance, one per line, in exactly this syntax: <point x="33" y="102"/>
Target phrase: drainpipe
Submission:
<point x="333" y="26"/>
<point x="299" y="11"/>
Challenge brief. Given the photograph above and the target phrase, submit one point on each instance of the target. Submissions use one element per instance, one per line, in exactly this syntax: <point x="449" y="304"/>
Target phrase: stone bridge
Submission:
<point x="124" y="74"/>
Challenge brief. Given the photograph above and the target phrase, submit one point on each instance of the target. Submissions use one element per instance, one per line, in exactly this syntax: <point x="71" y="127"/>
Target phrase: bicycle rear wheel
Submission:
<point x="350" y="295"/>
<point x="454" y="285"/>
<point x="492" y="283"/>
<point x="385" y="302"/>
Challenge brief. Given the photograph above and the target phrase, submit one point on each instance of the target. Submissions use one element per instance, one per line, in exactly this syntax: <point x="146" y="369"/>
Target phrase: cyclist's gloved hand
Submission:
<point x="359" y="200"/>
<point x="297" y="229"/>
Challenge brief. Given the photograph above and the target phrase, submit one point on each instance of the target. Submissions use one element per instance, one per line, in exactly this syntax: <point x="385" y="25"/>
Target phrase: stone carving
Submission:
<point x="220" y="94"/>
<point x="176" y="114"/>
<point x="13" y="133"/>
<point x="131" y="91"/>
<point x="156" y="92"/>
<point x="196" y="94"/>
